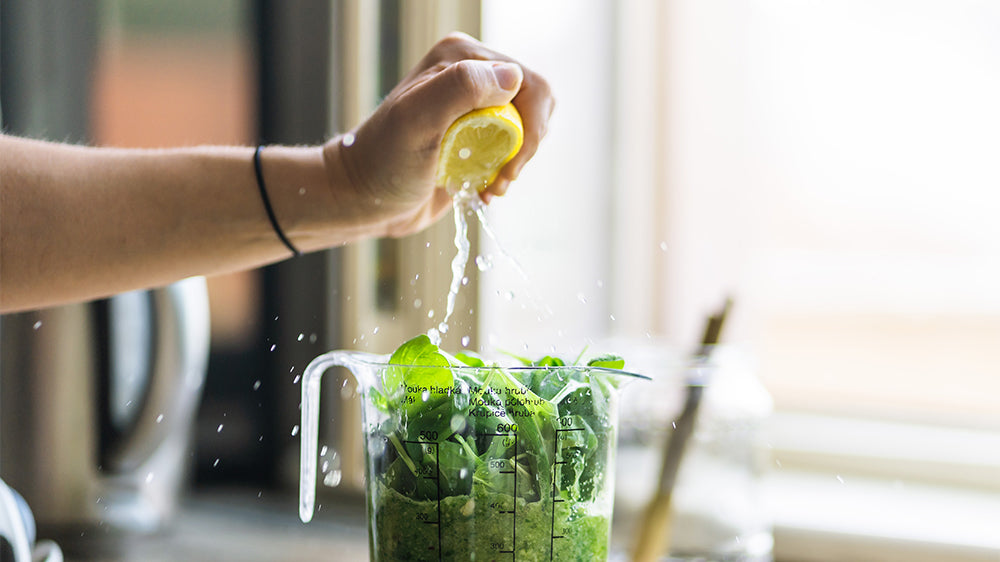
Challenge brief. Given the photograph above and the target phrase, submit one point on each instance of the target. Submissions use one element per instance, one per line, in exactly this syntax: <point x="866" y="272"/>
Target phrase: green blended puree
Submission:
<point x="474" y="528"/>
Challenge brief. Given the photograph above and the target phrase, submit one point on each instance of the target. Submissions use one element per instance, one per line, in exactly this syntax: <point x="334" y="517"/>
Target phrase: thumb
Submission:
<point x="463" y="86"/>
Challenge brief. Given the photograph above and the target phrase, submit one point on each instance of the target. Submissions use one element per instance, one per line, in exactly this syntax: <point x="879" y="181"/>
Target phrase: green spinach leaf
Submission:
<point x="458" y="429"/>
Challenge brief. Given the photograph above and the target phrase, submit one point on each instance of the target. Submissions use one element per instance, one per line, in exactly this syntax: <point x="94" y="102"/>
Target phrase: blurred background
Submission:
<point x="831" y="166"/>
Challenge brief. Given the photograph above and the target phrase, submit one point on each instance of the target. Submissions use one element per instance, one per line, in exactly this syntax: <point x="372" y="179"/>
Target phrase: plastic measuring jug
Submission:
<point x="478" y="463"/>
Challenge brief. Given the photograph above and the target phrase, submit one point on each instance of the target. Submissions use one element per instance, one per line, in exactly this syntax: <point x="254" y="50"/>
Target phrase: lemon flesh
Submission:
<point x="477" y="145"/>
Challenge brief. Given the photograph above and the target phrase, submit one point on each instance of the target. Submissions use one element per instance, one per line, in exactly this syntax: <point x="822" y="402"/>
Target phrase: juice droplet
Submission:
<point x="465" y="153"/>
<point x="349" y="391"/>
<point x="295" y="431"/>
<point x="434" y="336"/>
<point x="332" y="479"/>
<point x="484" y="263"/>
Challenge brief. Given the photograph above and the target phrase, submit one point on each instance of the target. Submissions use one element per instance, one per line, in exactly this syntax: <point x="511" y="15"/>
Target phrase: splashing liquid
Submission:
<point x="465" y="202"/>
<point x="481" y="214"/>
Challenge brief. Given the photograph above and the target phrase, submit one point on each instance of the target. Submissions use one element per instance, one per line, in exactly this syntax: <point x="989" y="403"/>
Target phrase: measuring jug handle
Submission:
<point x="309" y="439"/>
<point x="15" y="525"/>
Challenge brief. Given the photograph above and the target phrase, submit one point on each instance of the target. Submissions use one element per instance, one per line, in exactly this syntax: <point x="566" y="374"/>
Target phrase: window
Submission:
<point x="832" y="166"/>
<point x="873" y="140"/>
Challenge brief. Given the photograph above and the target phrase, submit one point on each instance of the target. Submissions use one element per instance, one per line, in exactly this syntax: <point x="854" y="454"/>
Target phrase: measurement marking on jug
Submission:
<point x="555" y="479"/>
<point x="425" y="446"/>
<point x="513" y="510"/>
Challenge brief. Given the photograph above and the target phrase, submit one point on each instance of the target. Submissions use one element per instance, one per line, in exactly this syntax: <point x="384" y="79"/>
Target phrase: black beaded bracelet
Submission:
<point x="267" y="204"/>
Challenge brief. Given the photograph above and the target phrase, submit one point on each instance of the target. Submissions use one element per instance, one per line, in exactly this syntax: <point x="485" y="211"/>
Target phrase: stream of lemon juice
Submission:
<point x="466" y="201"/>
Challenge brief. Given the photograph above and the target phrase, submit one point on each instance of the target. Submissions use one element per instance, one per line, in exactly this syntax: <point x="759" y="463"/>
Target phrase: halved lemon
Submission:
<point x="477" y="145"/>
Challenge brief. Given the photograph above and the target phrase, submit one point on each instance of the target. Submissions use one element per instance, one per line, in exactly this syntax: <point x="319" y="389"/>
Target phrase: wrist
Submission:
<point x="268" y="207"/>
<point x="295" y="181"/>
<point x="357" y="211"/>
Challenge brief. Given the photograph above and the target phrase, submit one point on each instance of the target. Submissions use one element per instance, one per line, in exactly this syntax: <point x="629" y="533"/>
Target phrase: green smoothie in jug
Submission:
<point x="480" y="462"/>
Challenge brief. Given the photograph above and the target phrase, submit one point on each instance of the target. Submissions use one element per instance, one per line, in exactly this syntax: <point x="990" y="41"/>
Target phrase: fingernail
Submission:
<point x="508" y="75"/>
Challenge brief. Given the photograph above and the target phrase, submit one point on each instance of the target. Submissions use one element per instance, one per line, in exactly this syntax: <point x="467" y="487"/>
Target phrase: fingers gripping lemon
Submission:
<point x="477" y="145"/>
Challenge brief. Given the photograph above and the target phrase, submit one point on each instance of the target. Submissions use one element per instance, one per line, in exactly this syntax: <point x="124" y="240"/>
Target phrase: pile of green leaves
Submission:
<point x="497" y="429"/>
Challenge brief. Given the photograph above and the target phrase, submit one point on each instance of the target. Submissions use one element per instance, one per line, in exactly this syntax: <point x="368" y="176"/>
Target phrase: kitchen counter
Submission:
<point x="237" y="525"/>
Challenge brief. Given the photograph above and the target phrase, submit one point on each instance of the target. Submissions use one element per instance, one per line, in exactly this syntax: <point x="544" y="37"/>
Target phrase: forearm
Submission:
<point x="80" y="223"/>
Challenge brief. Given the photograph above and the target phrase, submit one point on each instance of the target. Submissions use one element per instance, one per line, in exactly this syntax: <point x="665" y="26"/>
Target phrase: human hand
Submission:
<point x="384" y="171"/>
